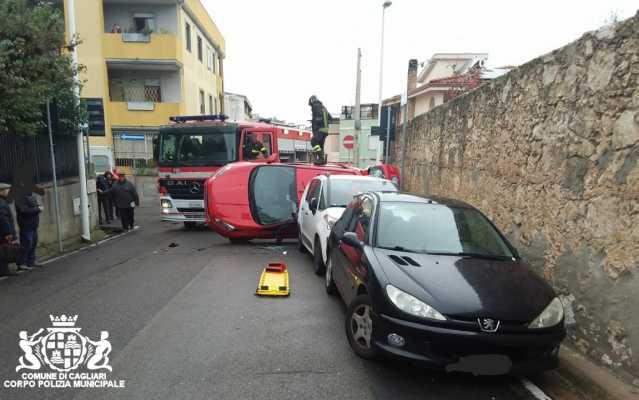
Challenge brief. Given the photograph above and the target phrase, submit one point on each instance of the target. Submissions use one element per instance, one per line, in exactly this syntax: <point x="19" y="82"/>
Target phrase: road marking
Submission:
<point x="535" y="390"/>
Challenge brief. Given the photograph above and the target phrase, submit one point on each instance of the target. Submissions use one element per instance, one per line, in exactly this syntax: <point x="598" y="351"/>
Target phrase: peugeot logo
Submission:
<point x="195" y="187"/>
<point x="488" y="324"/>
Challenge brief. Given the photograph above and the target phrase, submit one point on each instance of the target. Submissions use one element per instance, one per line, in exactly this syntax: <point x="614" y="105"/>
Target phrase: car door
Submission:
<point x="308" y="215"/>
<point x="354" y="272"/>
<point x="337" y="252"/>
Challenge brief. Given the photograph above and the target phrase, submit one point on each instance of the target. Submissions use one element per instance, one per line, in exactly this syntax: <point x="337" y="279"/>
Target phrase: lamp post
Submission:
<point x="385" y="5"/>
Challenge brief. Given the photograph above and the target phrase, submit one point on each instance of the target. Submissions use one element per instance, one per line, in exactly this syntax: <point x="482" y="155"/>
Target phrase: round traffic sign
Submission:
<point x="348" y="142"/>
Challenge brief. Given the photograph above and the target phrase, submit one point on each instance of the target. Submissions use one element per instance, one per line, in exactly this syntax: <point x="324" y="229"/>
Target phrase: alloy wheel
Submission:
<point x="362" y="326"/>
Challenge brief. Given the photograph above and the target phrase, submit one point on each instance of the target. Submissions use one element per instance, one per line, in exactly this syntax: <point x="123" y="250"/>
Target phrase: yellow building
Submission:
<point x="144" y="60"/>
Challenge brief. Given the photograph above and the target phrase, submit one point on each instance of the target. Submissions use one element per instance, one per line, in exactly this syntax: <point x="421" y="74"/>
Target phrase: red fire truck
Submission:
<point x="192" y="148"/>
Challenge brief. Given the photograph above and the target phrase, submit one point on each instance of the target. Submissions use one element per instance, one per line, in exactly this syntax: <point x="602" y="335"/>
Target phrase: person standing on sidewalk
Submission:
<point x="7" y="228"/>
<point x="126" y="199"/>
<point x="28" y="215"/>
<point x="103" y="184"/>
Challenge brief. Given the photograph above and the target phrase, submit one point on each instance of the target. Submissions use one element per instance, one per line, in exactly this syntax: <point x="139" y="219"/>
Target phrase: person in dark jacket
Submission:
<point x="103" y="184"/>
<point x="7" y="227"/>
<point x="126" y="199"/>
<point x="28" y="215"/>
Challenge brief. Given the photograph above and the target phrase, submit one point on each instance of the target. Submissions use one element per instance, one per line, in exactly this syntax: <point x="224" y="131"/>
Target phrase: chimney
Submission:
<point x="412" y="74"/>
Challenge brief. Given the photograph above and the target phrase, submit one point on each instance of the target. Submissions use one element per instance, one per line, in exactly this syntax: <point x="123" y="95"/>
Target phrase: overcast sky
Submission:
<point x="279" y="52"/>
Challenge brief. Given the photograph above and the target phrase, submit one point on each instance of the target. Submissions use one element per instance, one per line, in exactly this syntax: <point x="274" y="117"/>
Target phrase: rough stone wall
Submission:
<point x="550" y="152"/>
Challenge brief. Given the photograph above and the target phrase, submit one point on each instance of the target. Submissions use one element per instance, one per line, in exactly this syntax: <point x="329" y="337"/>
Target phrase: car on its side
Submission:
<point x="246" y="200"/>
<point x="432" y="280"/>
<point x="323" y="202"/>
<point x="386" y="171"/>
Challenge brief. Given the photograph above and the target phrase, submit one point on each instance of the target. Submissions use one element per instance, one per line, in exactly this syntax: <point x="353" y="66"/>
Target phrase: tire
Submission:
<point x="329" y="283"/>
<point x="359" y="331"/>
<point x="318" y="259"/>
<point x="238" y="240"/>
<point x="300" y="244"/>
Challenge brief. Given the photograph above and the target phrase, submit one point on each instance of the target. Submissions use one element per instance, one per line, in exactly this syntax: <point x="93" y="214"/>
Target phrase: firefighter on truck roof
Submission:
<point x="319" y="124"/>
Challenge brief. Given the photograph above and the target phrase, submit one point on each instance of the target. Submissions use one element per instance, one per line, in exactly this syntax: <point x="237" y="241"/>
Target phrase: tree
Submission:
<point x="35" y="66"/>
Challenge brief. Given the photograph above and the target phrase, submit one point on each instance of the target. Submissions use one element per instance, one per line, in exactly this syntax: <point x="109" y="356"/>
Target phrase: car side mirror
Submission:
<point x="313" y="204"/>
<point x="351" y="239"/>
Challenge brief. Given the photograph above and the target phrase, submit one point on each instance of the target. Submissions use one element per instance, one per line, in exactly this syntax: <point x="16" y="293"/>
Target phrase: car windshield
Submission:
<point x="213" y="145"/>
<point x="438" y="229"/>
<point x="341" y="191"/>
<point x="273" y="198"/>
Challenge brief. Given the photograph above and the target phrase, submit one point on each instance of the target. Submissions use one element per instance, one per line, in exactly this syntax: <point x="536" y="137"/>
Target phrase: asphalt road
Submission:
<point x="184" y="324"/>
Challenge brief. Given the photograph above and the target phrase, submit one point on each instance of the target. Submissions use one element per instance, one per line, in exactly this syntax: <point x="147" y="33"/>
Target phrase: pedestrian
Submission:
<point x="126" y="199"/>
<point x="28" y="215"/>
<point x="103" y="183"/>
<point x="7" y="229"/>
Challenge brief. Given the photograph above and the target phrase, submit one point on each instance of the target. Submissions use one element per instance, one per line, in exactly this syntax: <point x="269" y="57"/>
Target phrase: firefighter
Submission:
<point x="254" y="148"/>
<point x="319" y="124"/>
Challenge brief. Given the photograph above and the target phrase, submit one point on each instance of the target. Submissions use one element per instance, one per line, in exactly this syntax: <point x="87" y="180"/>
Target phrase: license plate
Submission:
<point x="484" y="364"/>
<point x="195" y="204"/>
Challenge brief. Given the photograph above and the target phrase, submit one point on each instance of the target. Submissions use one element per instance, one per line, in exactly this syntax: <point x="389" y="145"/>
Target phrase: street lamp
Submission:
<point x="385" y="5"/>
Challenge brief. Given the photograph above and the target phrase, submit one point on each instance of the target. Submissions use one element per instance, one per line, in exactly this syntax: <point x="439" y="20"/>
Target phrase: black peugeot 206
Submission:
<point x="433" y="280"/>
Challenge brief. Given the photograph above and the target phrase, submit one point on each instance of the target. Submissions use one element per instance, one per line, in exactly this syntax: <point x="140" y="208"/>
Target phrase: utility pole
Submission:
<point x="358" y="124"/>
<point x="381" y="78"/>
<point x="84" y="197"/>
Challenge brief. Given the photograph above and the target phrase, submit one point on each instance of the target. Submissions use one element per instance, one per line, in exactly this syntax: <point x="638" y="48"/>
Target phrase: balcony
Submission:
<point x="140" y="46"/>
<point x="121" y="115"/>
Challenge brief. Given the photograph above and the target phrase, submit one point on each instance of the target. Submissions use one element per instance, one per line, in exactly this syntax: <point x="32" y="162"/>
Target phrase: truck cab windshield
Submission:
<point x="198" y="146"/>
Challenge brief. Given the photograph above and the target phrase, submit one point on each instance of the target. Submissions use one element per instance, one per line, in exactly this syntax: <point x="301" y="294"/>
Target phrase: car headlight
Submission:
<point x="551" y="316"/>
<point x="412" y="305"/>
<point x="166" y="204"/>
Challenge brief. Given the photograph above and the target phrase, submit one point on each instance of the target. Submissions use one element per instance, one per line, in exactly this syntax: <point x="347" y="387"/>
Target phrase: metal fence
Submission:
<point x="33" y="154"/>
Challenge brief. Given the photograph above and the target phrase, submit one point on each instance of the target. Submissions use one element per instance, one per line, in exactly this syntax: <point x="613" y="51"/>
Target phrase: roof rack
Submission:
<point x="188" y="118"/>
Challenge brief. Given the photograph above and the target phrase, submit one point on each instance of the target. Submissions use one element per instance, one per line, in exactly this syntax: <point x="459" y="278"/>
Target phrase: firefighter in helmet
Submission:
<point x="319" y="124"/>
<point x="253" y="148"/>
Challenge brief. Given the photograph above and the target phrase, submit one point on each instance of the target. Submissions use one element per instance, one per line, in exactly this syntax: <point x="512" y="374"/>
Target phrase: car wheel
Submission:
<point x="329" y="283"/>
<point x="238" y="240"/>
<point x="359" y="327"/>
<point x="300" y="244"/>
<point x="318" y="259"/>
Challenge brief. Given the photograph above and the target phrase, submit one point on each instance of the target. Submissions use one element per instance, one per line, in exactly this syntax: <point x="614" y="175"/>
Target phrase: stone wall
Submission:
<point x="549" y="152"/>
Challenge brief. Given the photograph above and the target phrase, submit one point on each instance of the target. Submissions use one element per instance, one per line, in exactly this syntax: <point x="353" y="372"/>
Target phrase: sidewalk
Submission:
<point x="579" y="378"/>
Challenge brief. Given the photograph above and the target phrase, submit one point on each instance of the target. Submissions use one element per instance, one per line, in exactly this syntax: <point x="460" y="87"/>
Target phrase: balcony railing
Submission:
<point x="140" y="46"/>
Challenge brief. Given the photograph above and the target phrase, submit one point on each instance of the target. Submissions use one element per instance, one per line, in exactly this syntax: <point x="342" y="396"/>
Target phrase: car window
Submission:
<point x="312" y="188"/>
<point x="273" y="196"/>
<point x="437" y="228"/>
<point x="341" y="191"/>
<point x="363" y="220"/>
<point x="376" y="171"/>
<point x="343" y="222"/>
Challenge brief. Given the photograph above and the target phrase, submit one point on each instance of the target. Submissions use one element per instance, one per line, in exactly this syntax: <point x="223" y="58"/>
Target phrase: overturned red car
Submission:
<point x="246" y="200"/>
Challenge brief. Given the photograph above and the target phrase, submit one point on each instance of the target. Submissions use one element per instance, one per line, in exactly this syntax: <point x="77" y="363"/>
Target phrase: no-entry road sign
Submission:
<point x="348" y="142"/>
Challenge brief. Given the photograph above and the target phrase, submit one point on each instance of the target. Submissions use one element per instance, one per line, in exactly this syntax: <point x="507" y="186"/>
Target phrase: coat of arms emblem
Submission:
<point x="63" y="348"/>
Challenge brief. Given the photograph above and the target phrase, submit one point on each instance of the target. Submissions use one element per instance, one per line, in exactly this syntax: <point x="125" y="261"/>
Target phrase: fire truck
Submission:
<point x="193" y="148"/>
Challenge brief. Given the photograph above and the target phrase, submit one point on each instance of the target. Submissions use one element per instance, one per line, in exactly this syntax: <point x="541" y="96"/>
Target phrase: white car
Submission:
<point x="323" y="203"/>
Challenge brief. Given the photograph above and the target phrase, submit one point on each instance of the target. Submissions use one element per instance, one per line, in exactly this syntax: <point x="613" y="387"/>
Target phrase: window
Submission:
<point x="273" y="198"/>
<point x="266" y="142"/>
<point x="313" y="190"/>
<point x="432" y="228"/>
<point x="342" y="190"/>
<point x="202" y="104"/>
<point x="199" y="48"/>
<point x="211" y="111"/>
<point x="209" y="58"/>
<point x="187" y="33"/>
<point x="215" y="146"/>
<point x="152" y="90"/>
<point x="214" y="61"/>
<point x="144" y="23"/>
